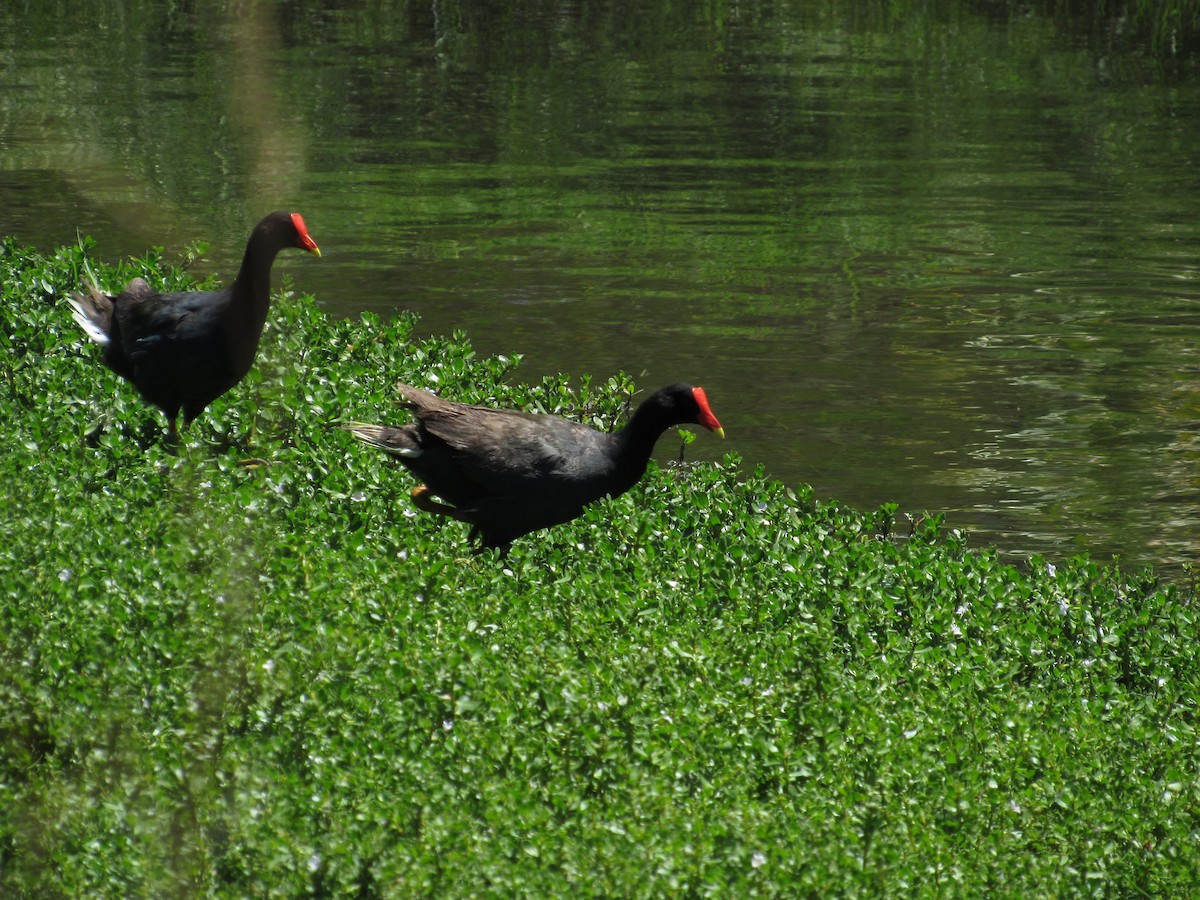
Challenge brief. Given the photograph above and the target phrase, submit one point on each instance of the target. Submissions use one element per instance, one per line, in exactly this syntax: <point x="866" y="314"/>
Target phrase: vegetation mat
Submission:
<point x="245" y="666"/>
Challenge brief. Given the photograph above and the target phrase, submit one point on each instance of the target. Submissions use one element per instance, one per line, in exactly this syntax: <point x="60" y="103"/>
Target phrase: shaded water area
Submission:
<point x="941" y="254"/>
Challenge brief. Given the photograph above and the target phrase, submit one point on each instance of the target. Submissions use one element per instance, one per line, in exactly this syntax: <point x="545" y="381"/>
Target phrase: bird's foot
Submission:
<point x="422" y="498"/>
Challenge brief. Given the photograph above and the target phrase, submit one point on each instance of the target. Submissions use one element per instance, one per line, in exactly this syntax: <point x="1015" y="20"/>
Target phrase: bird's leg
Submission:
<point x="501" y="549"/>
<point x="172" y="431"/>
<point x="422" y="498"/>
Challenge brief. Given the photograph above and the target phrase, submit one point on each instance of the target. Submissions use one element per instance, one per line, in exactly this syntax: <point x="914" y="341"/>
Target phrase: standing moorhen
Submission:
<point x="184" y="350"/>
<point x="509" y="473"/>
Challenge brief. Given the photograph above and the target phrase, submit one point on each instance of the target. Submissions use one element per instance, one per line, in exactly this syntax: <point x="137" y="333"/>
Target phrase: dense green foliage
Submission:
<point x="245" y="667"/>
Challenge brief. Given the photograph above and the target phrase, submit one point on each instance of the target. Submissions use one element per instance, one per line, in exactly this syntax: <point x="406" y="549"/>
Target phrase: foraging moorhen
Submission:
<point x="184" y="350"/>
<point x="509" y="473"/>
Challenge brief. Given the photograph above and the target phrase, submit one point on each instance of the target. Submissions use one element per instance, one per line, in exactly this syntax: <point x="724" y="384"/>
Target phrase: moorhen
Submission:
<point x="508" y="473"/>
<point x="184" y="350"/>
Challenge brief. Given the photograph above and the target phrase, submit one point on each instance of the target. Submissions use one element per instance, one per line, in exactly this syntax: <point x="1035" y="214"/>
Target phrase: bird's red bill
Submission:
<point x="304" y="242"/>
<point x="707" y="419"/>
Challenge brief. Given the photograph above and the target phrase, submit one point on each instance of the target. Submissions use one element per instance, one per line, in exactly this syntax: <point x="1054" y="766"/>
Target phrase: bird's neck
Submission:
<point x="635" y="442"/>
<point x="251" y="288"/>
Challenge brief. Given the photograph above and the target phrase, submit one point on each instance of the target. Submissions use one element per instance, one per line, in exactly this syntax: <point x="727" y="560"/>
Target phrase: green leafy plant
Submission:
<point x="246" y="667"/>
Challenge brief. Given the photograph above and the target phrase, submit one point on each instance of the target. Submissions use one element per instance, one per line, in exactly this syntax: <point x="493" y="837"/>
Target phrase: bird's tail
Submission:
<point x="93" y="311"/>
<point x="395" y="441"/>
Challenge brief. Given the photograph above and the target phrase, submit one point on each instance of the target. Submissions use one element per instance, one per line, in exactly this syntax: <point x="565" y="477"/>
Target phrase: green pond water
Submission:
<point x="941" y="254"/>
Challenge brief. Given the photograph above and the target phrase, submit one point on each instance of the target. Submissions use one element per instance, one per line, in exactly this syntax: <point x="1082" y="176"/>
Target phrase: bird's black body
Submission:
<point x="509" y="473"/>
<point x="183" y="350"/>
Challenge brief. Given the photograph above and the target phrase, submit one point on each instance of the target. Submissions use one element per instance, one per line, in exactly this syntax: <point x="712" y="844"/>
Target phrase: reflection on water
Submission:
<point x="946" y="260"/>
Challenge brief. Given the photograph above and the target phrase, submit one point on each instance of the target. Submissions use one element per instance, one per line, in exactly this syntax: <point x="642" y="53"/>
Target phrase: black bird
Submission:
<point x="508" y="473"/>
<point x="184" y="350"/>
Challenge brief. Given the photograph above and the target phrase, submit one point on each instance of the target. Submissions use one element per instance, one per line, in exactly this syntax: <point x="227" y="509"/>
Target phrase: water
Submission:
<point x="942" y="256"/>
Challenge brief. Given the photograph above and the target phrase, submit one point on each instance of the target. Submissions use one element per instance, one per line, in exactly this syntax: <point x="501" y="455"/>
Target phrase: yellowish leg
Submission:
<point x="422" y="498"/>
